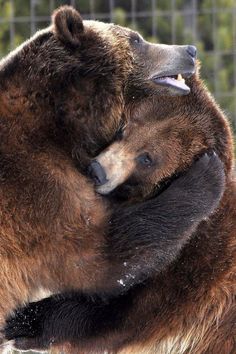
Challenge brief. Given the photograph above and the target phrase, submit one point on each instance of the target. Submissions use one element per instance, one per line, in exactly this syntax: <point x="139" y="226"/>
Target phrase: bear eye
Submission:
<point x="119" y="133"/>
<point x="136" y="38"/>
<point x="145" y="160"/>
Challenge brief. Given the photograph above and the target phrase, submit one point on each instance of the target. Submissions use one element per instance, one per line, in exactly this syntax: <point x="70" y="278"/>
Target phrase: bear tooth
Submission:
<point x="180" y="78"/>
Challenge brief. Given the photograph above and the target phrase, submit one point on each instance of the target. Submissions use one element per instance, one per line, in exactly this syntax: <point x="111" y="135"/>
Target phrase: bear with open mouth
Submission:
<point x="63" y="96"/>
<point x="178" y="292"/>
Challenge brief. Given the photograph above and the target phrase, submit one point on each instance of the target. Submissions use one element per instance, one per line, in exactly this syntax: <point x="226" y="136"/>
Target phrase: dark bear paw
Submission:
<point x="203" y="184"/>
<point x="35" y="344"/>
<point x="25" y="328"/>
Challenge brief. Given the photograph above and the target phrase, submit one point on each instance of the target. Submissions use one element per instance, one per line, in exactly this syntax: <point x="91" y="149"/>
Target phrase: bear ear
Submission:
<point x="68" y="25"/>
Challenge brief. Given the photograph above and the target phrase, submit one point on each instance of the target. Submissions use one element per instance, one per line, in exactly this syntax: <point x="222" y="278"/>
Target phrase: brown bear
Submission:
<point x="62" y="98"/>
<point x="189" y="307"/>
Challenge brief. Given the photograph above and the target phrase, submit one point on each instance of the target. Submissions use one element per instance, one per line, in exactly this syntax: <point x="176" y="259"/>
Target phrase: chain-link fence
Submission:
<point x="208" y="24"/>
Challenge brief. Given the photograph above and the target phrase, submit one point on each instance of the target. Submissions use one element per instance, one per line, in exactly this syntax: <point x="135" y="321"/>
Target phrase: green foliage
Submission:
<point x="174" y="20"/>
<point x="120" y="16"/>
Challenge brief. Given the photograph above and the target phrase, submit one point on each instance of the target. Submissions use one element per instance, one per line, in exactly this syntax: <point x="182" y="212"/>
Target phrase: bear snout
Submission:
<point x="97" y="173"/>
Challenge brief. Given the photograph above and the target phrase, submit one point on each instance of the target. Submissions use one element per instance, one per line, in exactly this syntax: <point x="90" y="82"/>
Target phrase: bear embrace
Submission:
<point x="151" y="270"/>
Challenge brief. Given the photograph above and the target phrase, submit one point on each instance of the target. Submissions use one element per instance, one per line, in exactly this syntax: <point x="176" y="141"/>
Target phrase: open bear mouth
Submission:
<point x="174" y="81"/>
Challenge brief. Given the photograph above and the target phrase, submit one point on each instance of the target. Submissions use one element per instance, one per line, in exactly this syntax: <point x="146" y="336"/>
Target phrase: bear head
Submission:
<point x="73" y="82"/>
<point x="161" y="140"/>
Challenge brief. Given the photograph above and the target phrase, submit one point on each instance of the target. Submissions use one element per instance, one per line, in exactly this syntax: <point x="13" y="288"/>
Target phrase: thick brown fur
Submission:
<point x="56" y="112"/>
<point x="62" y="98"/>
<point x="194" y="302"/>
<point x="172" y="135"/>
<point x="188" y="308"/>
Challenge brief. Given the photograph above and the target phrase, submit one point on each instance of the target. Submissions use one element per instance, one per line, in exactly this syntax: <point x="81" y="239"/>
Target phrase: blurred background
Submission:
<point x="208" y="24"/>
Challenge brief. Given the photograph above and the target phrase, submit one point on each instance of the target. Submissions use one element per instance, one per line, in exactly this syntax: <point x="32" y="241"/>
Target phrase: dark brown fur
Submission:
<point x="62" y="96"/>
<point x="55" y="110"/>
<point x="188" y="308"/>
<point x="173" y="135"/>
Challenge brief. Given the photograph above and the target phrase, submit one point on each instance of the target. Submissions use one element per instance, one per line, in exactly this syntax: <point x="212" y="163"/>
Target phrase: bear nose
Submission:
<point x="192" y="50"/>
<point x="97" y="173"/>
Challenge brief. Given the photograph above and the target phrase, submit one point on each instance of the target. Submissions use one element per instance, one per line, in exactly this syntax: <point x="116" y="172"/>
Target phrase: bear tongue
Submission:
<point x="169" y="81"/>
